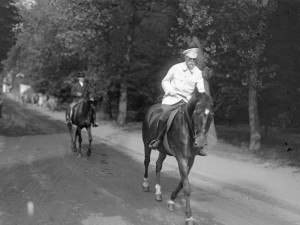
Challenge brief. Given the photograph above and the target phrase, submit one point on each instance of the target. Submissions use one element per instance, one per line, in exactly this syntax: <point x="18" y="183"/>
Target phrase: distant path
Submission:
<point x="37" y="165"/>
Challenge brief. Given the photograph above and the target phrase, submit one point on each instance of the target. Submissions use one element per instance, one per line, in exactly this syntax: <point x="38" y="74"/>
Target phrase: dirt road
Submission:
<point x="44" y="183"/>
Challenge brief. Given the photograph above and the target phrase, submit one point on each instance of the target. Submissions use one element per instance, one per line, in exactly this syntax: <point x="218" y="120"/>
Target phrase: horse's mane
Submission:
<point x="203" y="100"/>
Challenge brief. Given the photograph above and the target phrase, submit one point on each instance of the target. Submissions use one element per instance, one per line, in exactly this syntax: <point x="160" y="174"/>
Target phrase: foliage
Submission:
<point x="58" y="38"/>
<point x="233" y="35"/>
<point x="9" y="17"/>
<point x="136" y="42"/>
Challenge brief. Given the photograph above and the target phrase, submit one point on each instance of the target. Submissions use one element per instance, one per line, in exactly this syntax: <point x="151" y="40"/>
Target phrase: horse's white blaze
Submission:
<point x="145" y="183"/>
<point x="158" y="189"/>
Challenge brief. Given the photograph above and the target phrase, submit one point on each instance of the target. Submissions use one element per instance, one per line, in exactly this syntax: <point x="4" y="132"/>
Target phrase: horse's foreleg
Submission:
<point x="78" y="134"/>
<point x="184" y="169"/>
<point x="159" y="162"/>
<point x="73" y="141"/>
<point x="89" y="130"/>
<point x="146" y="164"/>
<point x="184" y="172"/>
<point x="178" y="189"/>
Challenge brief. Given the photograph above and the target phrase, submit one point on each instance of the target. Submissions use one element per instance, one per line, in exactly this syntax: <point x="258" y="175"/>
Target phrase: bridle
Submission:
<point x="193" y="122"/>
<point x="206" y="117"/>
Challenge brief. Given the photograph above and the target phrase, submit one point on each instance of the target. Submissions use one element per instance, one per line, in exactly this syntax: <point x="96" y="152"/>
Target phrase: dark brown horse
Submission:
<point x="1" y="106"/>
<point x="185" y="134"/>
<point x="82" y="118"/>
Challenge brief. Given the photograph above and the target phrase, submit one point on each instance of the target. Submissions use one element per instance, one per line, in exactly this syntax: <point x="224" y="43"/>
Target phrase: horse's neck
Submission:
<point x="84" y="105"/>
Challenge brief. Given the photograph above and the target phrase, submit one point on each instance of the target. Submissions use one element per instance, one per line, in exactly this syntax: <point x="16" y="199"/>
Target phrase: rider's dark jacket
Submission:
<point x="84" y="90"/>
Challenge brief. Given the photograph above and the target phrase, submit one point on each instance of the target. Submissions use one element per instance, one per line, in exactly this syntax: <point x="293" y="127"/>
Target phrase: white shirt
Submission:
<point x="81" y="83"/>
<point x="183" y="81"/>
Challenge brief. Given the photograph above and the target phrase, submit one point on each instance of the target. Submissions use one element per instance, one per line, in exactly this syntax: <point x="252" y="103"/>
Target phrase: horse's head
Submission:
<point x="202" y="117"/>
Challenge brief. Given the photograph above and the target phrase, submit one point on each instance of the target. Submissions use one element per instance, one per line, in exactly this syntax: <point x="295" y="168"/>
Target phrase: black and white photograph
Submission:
<point x="149" y="112"/>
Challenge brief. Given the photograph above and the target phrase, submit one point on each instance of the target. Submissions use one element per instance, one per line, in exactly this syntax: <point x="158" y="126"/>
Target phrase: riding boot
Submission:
<point x="155" y="144"/>
<point x="95" y="124"/>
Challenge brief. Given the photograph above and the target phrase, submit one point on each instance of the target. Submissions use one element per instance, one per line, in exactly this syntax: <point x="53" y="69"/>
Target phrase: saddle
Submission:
<point x="153" y="125"/>
<point x="70" y="110"/>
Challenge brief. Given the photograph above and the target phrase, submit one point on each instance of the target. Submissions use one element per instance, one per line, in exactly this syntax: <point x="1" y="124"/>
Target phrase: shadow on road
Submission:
<point x="22" y="121"/>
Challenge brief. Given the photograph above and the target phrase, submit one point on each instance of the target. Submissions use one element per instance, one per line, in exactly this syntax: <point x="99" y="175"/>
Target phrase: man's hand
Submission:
<point x="172" y="92"/>
<point x="78" y="94"/>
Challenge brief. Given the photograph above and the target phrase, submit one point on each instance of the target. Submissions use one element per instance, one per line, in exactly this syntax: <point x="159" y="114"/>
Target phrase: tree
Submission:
<point x="9" y="18"/>
<point x="139" y="31"/>
<point x="55" y="39"/>
<point x="233" y="34"/>
<point x="118" y="44"/>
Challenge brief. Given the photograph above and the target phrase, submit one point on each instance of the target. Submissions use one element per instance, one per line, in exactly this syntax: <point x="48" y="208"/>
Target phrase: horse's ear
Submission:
<point x="196" y="92"/>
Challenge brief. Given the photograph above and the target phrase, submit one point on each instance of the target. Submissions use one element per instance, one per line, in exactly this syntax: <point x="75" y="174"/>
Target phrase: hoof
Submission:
<point x="146" y="189"/>
<point x="158" y="197"/>
<point x="74" y="149"/>
<point x="189" y="221"/>
<point x="171" y="206"/>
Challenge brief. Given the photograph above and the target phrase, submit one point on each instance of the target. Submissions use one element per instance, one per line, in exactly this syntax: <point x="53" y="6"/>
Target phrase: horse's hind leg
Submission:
<point x="146" y="164"/>
<point x="159" y="162"/>
<point x="89" y="130"/>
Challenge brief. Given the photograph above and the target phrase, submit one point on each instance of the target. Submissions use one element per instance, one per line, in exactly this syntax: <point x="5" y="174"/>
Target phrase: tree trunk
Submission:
<point x="122" y="105"/>
<point x="255" y="136"/>
<point x="255" y="131"/>
<point x="122" y="114"/>
<point x="105" y="107"/>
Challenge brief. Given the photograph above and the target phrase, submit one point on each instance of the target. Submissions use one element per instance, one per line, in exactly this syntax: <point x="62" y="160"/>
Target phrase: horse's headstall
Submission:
<point x="201" y="121"/>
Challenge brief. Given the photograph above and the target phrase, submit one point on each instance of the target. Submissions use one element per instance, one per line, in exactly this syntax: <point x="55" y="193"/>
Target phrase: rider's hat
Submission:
<point x="191" y="53"/>
<point x="80" y="74"/>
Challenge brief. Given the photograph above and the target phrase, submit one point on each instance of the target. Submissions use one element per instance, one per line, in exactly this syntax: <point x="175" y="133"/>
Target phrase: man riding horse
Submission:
<point x="79" y="91"/>
<point x="178" y="85"/>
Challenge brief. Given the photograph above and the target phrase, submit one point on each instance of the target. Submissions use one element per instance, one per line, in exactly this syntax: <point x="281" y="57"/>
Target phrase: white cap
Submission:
<point x="191" y="53"/>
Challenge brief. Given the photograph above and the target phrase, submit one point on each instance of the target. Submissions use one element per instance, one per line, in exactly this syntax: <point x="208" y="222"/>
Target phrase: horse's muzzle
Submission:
<point x="200" y="142"/>
<point x="199" y="146"/>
